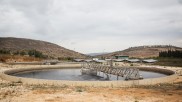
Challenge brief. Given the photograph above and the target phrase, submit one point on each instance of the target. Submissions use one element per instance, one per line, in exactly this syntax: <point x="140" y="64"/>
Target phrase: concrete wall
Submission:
<point x="159" y="70"/>
<point x="152" y="81"/>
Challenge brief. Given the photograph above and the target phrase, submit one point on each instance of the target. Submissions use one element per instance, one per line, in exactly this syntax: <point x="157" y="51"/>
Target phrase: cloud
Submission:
<point x="93" y="25"/>
<point x="180" y="1"/>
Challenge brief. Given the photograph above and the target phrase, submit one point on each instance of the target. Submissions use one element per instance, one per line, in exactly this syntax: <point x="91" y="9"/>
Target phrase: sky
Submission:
<point x="89" y="26"/>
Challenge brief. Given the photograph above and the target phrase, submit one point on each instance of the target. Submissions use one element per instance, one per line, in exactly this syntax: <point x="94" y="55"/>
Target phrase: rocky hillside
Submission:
<point x="50" y="49"/>
<point x="142" y="51"/>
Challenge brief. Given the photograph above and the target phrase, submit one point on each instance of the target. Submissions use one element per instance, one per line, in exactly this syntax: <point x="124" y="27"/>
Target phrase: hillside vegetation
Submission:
<point x="14" y="45"/>
<point x="142" y="51"/>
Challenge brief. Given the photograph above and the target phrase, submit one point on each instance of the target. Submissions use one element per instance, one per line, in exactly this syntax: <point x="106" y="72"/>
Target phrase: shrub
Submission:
<point x="36" y="53"/>
<point x="4" y="51"/>
<point x="131" y="64"/>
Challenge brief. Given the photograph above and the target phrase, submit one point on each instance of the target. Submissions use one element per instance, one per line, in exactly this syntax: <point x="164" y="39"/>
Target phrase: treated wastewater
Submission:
<point x="76" y="75"/>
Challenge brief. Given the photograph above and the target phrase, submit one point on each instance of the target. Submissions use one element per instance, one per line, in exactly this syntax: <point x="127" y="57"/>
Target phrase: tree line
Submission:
<point x="4" y="51"/>
<point x="33" y="53"/>
<point x="170" y="53"/>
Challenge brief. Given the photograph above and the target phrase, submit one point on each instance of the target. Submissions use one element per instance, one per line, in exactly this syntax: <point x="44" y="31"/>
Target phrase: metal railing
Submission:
<point x="128" y="73"/>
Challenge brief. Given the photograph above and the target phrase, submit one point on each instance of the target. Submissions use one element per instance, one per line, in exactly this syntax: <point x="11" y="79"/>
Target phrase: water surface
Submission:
<point x="76" y="75"/>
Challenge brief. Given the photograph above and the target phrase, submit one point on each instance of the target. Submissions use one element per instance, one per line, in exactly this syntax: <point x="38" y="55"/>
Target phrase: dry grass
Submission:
<point x="17" y="58"/>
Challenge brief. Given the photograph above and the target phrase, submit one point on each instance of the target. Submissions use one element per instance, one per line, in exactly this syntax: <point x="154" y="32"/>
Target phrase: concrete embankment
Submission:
<point x="6" y="75"/>
<point x="158" y="70"/>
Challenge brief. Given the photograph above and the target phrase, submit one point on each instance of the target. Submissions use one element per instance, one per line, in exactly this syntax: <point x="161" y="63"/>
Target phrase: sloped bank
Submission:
<point x="6" y="75"/>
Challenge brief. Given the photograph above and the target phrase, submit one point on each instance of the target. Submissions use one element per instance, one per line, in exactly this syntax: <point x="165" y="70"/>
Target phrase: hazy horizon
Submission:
<point x="94" y="26"/>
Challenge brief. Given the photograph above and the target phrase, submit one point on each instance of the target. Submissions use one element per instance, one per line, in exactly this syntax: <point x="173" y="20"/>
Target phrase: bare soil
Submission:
<point x="86" y="94"/>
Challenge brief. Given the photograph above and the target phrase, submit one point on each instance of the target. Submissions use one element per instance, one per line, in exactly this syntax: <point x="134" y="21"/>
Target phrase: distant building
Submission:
<point x="149" y="60"/>
<point x="78" y="60"/>
<point x="95" y="59"/>
<point x="118" y="60"/>
<point x="107" y="59"/>
<point x="50" y="62"/>
<point x="88" y="60"/>
<point x="133" y="60"/>
<point x="121" y="57"/>
<point x="100" y="61"/>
